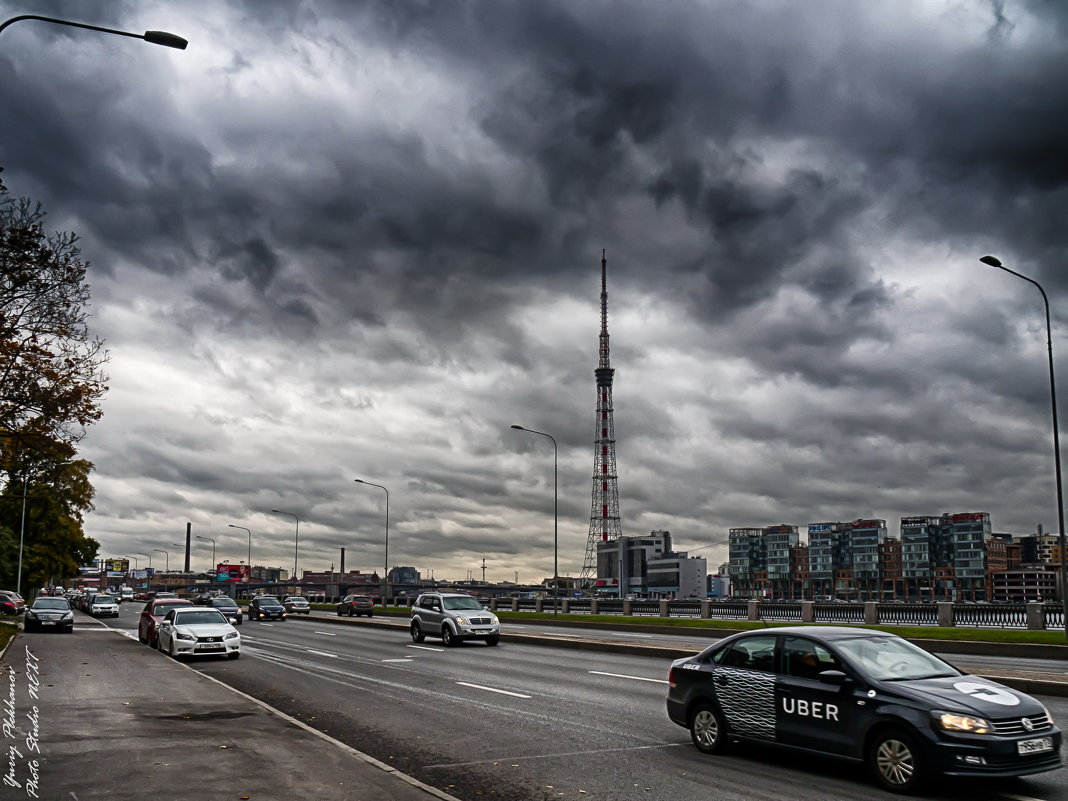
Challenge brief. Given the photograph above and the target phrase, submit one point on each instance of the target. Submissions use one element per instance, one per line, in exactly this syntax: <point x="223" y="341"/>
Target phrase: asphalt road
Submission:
<point x="524" y="722"/>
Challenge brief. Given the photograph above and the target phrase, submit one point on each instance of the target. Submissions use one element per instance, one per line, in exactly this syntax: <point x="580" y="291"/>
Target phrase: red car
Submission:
<point x="152" y="614"/>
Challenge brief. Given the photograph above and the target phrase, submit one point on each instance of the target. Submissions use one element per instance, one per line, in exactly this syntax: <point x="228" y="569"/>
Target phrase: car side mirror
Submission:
<point x="233" y="620"/>
<point x="836" y="677"/>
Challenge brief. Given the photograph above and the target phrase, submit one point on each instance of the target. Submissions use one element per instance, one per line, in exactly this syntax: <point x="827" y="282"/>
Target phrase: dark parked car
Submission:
<point x="266" y="606"/>
<point x="50" y="614"/>
<point x="228" y="606"/>
<point x="356" y="605"/>
<point x="20" y="605"/>
<point x="864" y="696"/>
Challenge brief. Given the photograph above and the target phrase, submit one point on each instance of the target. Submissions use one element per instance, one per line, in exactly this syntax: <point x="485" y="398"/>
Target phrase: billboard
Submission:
<point x="116" y="565"/>
<point x="226" y="572"/>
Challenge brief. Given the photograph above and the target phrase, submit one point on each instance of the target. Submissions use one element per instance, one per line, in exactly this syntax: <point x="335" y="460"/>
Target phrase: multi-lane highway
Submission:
<point x="529" y="722"/>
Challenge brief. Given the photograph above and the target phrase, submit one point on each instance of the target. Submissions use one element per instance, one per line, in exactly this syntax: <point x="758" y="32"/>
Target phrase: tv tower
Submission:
<point x="604" y="515"/>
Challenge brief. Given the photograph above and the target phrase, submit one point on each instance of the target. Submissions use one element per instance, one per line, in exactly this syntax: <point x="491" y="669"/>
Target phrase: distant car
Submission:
<point x="195" y="631"/>
<point x="152" y="614"/>
<point x="20" y="604"/>
<point x="165" y="595"/>
<point x="454" y="617"/>
<point x="228" y="606"/>
<point x="125" y="595"/>
<point x="864" y="696"/>
<point x="356" y="605"/>
<point x="103" y="606"/>
<point x="266" y="606"/>
<point x="295" y="604"/>
<point x="50" y="614"/>
<point x="8" y="606"/>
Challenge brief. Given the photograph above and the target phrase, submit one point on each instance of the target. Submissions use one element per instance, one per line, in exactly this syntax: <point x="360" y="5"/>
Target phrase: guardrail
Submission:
<point x="1032" y="616"/>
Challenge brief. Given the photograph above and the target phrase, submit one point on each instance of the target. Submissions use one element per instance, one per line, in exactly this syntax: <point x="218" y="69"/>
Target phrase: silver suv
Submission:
<point x="453" y="617"/>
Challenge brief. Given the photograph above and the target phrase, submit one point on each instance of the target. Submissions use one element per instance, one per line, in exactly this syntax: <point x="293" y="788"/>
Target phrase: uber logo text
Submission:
<point x="810" y="709"/>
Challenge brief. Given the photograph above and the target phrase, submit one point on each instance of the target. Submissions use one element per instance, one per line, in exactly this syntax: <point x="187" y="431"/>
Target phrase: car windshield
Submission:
<point x="102" y="599"/>
<point x="200" y="617"/>
<point x="893" y="659"/>
<point x="462" y="603"/>
<point x="224" y="603"/>
<point x="161" y="609"/>
<point x="50" y="603"/>
<point x="266" y="599"/>
<point x="296" y="600"/>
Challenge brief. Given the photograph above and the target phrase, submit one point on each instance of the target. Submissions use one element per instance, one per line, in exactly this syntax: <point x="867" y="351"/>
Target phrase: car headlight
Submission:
<point x="950" y="721"/>
<point x="183" y="636"/>
<point x="461" y="620"/>
<point x="232" y="635"/>
<point x="68" y="616"/>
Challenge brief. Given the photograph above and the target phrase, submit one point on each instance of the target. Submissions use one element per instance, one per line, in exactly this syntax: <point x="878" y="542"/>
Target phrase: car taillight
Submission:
<point x="671" y="677"/>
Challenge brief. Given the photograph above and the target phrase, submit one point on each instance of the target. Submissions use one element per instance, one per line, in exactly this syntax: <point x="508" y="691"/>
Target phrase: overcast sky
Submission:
<point x="338" y="240"/>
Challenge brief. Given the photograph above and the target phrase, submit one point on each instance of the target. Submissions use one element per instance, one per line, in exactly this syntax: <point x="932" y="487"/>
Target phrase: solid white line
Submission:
<point x="321" y="653"/>
<point x="406" y="659"/>
<point x="622" y="676"/>
<point x="266" y="624"/>
<point x="492" y="689"/>
<point x="327" y="633"/>
<point x="426" y="648"/>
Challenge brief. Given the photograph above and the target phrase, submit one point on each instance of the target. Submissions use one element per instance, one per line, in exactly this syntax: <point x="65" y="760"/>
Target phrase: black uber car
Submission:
<point x="861" y="695"/>
<point x="266" y="606"/>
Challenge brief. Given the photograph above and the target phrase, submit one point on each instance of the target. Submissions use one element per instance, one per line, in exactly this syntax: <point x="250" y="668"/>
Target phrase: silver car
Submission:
<point x="453" y="617"/>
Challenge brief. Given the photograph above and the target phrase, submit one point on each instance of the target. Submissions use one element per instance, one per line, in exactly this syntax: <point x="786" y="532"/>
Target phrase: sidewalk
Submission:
<point x="112" y="719"/>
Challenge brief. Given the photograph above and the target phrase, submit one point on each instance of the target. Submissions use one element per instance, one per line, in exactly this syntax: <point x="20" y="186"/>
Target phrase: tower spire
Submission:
<point x="604" y="512"/>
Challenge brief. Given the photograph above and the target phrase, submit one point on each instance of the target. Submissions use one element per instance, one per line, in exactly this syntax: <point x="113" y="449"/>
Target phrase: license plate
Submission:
<point x="1035" y="746"/>
<point x="209" y="647"/>
<point x="48" y="622"/>
<point x="482" y="631"/>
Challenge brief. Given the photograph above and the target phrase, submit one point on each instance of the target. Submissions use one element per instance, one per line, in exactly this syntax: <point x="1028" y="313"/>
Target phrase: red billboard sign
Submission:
<point x="226" y="572"/>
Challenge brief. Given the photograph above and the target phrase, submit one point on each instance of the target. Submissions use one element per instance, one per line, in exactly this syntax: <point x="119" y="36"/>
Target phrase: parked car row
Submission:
<point x="11" y="603"/>
<point x="178" y="628"/>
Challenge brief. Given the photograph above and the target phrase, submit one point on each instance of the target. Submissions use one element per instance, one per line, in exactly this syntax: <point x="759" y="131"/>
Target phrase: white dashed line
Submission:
<point x="426" y="648"/>
<point x="406" y="659"/>
<point x="327" y="633"/>
<point x="321" y="653"/>
<point x="622" y="676"/>
<point x="492" y="689"/>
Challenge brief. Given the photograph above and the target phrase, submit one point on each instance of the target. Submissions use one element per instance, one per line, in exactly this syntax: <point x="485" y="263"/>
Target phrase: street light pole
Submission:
<point x="22" y="533"/>
<point x="296" y="542"/>
<point x="153" y="37"/>
<point x="147" y="556"/>
<point x="248" y="576"/>
<point x="995" y="262"/>
<point x="385" y="575"/>
<point x="556" y="517"/>
<point x="167" y="558"/>
<point x="209" y="539"/>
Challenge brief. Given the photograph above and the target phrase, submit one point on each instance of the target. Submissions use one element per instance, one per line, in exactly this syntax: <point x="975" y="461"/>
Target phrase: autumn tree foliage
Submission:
<point x="51" y="384"/>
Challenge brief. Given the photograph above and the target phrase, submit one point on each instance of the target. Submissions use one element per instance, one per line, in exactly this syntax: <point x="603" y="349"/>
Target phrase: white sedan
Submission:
<point x="197" y="631"/>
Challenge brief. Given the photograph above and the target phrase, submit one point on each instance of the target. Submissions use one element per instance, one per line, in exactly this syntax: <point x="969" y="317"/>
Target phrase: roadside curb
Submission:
<point x="18" y="630"/>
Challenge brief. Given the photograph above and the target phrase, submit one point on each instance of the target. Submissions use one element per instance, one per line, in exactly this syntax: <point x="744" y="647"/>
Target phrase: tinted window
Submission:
<point x="266" y="599"/>
<point x="50" y="603"/>
<point x="462" y="603"/>
<point x="223" y="603"/>
<point x="806" y="659"/>
<point x="752" y="653"/>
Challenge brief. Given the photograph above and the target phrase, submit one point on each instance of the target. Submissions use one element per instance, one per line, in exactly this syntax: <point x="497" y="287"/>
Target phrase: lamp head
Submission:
<point x="359" y="481"/>
<point x="993" y="261"/>
<point x="165" y="39"/>
<point x="518" y="428"/>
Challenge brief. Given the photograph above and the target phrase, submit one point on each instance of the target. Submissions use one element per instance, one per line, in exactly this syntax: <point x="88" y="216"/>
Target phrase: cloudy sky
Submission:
<point x="338" y="240"/>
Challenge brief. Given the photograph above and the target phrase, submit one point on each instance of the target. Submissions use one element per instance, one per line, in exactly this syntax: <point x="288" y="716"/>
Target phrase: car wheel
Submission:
<point x="339" y="613"/>
<point x="369" y="614"/>
<point x="493" y="640"/>
<point x="417" y="633"/>
<point x="350" y="612"/>
<point x="235" y="655"/>
<point x="448" y="639"/>
<point x="895" y="761"/>
<point x="707" y="729"/>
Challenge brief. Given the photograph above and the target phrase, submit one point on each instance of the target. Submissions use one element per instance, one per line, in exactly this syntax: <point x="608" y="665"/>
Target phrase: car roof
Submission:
<point x="829" y="633"/>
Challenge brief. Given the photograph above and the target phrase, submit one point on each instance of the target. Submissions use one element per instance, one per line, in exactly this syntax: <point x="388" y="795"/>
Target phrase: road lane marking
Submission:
<point x="405" y="659"/>
<point x="491" y="689"/>
<point x="327" y="633"/>
<point x="266" y="624"/>
<point x="622" y="676"/>
<point x="426" y="648"/>
<point x="321" y="653"/>
<point x="526" y="757"/>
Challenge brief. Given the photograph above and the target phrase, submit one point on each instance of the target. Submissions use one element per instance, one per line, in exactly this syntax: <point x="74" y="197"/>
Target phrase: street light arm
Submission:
<point x="385" y="575"/>
<point x="556" y="514"/>
<point x="153" y="37"/>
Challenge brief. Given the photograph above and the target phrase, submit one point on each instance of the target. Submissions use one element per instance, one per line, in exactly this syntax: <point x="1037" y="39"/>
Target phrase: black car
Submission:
<point x="266" y="606"/>
<point x="50" y="614"/>
<point x="228" y="606"/>
<point x="356" y="605"/>
<point x="860" y="695"/>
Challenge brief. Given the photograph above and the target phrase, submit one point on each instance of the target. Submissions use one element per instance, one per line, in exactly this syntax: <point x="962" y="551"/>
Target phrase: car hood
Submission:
<point x="982" y="697"/>
<point x="206" y="629"/>
<point x="48" y="612"/>
<point x="272" y="607"/>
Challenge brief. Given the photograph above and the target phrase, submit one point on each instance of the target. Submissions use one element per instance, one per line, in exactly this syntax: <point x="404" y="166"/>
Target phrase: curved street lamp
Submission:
<point x="248" y="576"/>
<point x="556" y="517"/>
<point x="152" y="37"/>
<point x="296" y="542"/>
<point x="385" y="575"/>
<point x="209" y="539"/>
<point x="996" y="262"/>
<point x="167" y="557"/>
<point x="147" y="556"/>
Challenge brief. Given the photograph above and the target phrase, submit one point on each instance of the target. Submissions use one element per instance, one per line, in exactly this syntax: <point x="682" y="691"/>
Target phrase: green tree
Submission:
<point x="51" y="380"/>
